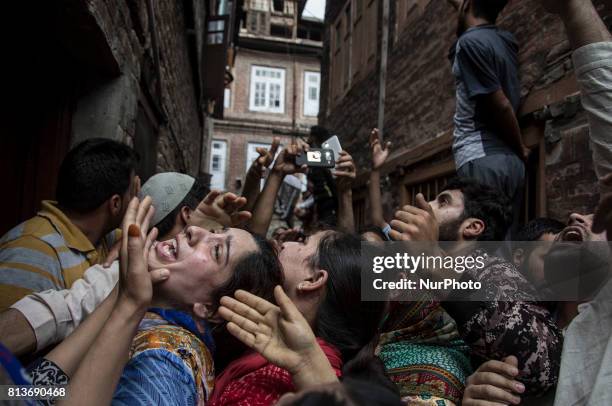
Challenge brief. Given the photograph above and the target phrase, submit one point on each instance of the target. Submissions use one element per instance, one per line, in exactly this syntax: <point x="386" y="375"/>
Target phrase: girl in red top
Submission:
<point x="322" y="278"/>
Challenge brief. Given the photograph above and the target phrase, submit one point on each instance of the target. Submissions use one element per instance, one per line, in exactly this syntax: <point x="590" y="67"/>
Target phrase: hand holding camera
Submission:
<point x="287" y="164"/>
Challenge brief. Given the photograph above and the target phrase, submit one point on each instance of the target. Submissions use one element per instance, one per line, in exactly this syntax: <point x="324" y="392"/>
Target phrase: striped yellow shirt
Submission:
<point x="45" y="252"/>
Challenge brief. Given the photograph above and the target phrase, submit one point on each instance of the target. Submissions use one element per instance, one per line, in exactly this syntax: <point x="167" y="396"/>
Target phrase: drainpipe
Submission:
<point x="294" y="113"/>
<point x="382" y="94"/>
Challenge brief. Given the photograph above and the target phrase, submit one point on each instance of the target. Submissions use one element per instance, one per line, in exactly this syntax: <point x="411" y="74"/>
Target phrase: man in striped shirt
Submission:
<point x="54" y="248"/>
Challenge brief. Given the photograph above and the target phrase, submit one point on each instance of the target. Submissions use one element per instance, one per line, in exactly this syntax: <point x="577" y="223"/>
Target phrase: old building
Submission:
<point x="144" y="72"/>
<point x="418" y="99"/>
<point x="275" y="90"/>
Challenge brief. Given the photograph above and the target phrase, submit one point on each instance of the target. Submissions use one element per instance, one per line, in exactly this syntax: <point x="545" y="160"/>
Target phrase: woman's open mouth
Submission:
<point x="167" y="250"/>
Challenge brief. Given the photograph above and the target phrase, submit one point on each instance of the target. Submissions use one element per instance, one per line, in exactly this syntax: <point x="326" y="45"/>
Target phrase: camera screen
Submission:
<point x="314" y="156"/>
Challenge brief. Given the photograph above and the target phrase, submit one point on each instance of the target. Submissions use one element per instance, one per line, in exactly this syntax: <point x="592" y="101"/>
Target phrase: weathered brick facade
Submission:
<point x="134" y="35"/>
<point x="129" y="70"/>
<point x="241" y="125"/>
<point x="420" y="103"/>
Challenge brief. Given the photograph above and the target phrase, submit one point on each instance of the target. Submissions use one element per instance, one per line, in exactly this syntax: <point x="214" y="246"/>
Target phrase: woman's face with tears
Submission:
<point x="199" y="261"/>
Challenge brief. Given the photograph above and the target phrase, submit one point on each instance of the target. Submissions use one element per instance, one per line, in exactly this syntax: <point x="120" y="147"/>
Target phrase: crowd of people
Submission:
<point x="169" y="293"/>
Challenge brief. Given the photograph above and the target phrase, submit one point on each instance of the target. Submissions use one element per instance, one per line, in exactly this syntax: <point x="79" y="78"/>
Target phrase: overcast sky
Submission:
<point x="315" y="8"/>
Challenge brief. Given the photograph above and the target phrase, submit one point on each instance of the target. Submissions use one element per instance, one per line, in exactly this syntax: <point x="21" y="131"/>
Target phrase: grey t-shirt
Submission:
<point x="484" y="60"/>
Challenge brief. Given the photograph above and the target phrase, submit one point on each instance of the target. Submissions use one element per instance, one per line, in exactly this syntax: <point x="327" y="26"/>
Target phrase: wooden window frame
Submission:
<point x="267" y="81"/>
<point x="421" y="178"/>
<point x="306" y="92"/>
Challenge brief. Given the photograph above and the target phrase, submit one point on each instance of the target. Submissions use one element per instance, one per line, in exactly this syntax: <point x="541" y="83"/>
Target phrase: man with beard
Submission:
<point x="487" y="139"/>
<point x="578" y="255"/>
<point x="504" y="319"/>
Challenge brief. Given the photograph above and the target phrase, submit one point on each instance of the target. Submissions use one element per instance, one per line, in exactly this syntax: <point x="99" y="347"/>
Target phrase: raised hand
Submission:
<point x="285" y="163"/>
<point x="415" y="223"/>
<point x="221" y="208"/>
<point x="345" y="171"/>
<point x="494" y="383"/>
<point x="266" y="157"/>
<point x="135" y="280"/>
<point x="279" y="333"/>
<point x="379" y="153"/>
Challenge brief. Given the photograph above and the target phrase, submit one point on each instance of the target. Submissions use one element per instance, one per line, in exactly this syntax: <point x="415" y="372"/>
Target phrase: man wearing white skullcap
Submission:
<point x="46" y="318"/>
<point x="175" y="196"/>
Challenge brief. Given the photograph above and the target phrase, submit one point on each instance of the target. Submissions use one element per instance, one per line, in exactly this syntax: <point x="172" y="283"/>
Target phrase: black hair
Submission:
<point x="320" y="397"/>
<point x="366" y="393"/>
<point x="195" y="195"/>
<point x="364" y="382"/>
<point x="488" y="9"/>
<point x="353" y="392"/>
<point x="343" y="320"/>
<point x="533" y="230"/>
<point x="485" y="203"/>
<point x="367" y="367"/>
<point x="318" y="135"/>
<point x="92" y="172"/>
<point x="258" y="273"/>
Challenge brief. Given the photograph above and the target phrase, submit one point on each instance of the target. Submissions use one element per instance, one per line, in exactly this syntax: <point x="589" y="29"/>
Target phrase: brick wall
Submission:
<point x="242" y="126"/>
<point x="570" y="177"/>
<point x="87" y="68"/>
<point x="178" y="91"/>
<point x="237" y="144"/>
<point x="420" y="91"/>
<point x="111" y="110"/>
<point x="295" y="67"/>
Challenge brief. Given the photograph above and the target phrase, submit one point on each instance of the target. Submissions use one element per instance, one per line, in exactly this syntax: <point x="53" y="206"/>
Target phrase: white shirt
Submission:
<point x="585" y="377"/>
<point x="54" y="314"/>
<point x="593" y="66"/>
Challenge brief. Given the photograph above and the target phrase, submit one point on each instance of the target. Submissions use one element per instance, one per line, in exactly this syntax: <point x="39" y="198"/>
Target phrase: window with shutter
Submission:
<point x="267" y="89"/>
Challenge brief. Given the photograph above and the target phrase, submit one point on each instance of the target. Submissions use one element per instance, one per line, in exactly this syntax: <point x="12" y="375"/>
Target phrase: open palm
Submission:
<point x="135" y="279"/>
<point x="380" y="153"/>
<point x="220" y="207"/>
<point x="279" y="333"/>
